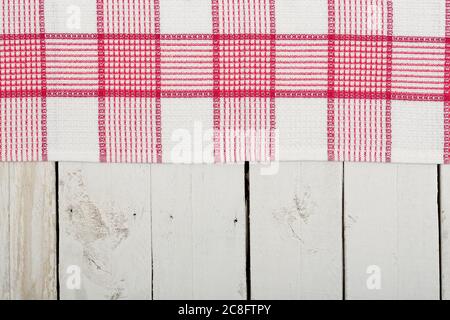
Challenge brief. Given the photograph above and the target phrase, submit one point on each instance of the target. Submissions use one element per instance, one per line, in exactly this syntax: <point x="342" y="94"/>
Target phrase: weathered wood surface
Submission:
<point x="105" y="231"/>
<point x="296" y="231"/>
<point x="124" y="227"/>
<point x="27" y="231"/>
<point x="179" y="231"/>
<point x="198" y="215"/>
<point x="391" y="231"/>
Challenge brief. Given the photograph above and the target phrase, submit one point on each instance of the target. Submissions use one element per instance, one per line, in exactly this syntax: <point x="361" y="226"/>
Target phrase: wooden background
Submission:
<point x="311" y="231"/>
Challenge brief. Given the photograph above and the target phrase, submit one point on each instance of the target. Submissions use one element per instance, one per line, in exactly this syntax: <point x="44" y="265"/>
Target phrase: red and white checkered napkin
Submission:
<point x="225" y="80"/>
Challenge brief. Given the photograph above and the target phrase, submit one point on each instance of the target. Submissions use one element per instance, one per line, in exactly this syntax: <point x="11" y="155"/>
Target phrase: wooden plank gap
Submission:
<point x="444" y="201"/>
<point x="58" y="285"/>
<point x="247" y="230"/>
<point x="343" y="229"/>
<point x="439" y="206"/>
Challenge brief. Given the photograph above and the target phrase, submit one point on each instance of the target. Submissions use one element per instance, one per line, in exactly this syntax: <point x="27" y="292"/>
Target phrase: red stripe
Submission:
<point x="158" y="79"/>
<point x="216" y="76"/>
<point x="388" y="125"/>
<point x="273" y="146"/>
<point x="237" y="36"/>
<point x="320" y="94"/>
<point x="101" y="82"/>
<point x="43" y="124"/>
<point x="447" y="85"/>
<point x="331" y="73"/>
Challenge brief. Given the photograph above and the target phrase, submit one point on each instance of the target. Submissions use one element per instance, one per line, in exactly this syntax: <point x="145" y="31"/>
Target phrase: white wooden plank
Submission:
<point x="105" y="231"/>
<point x="296" y="231"/>
<point x="27" y="231"/>
<point x="198" y="219"/>
<point x="391" y="231"/>
<point x="4" y="231"/>
<point x="444" y="193"/>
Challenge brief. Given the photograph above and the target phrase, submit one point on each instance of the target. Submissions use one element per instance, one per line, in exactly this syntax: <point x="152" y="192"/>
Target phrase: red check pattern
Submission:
<point x="23" y="81"/>
<point x="244" y="80"/>
<point x="360" y="68"/>
<point x="360" y="80"/>
<point x="130" y="77"/>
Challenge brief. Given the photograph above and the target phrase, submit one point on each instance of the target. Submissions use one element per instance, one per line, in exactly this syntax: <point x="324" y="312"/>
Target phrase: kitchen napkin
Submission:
<point x="213" y="81"/>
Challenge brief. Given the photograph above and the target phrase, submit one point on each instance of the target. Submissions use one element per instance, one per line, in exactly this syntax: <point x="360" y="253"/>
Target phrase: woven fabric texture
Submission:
<point x="213" y="81"/>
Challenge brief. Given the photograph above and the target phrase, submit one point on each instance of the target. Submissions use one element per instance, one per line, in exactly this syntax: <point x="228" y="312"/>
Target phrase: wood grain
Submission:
<point x="296" y="231"/>
<point x="179" y="231"/>
<point x="391" y="231"/>
<point x="198" y="231"/>
<point x="105" y="230"/>
<point x="27" y="231"/>
<point x="4" y="232"/>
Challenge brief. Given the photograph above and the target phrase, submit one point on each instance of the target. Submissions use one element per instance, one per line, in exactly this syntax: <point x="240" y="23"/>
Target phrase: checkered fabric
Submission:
<point x="225" y="80"/>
